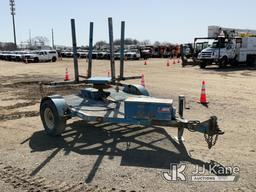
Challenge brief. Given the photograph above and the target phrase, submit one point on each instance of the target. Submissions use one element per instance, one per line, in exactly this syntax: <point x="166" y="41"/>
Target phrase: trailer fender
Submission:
<point x="136" y="90"/>
<point x="60" y="104"/>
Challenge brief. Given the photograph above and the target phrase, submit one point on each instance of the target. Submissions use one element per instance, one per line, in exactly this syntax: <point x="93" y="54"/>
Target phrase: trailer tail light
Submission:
<point x="164" y="109"/>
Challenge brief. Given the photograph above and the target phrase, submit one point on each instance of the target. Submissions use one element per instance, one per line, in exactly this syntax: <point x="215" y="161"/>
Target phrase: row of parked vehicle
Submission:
<point x="30" y="56"/>
<point x="133" y="54"/>
<point x="130" y="54"/>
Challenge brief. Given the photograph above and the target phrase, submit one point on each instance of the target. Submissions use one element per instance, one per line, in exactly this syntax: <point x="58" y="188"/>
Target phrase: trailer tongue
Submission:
<point x="108" y="100"/>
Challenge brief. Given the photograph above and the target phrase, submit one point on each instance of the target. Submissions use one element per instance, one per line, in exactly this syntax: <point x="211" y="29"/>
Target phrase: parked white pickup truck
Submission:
<point x="133" y="54"/>
<point x="42" y="55"/>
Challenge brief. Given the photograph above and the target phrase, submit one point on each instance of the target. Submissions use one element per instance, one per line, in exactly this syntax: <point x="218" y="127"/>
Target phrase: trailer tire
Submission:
<point x="54" y="125"/>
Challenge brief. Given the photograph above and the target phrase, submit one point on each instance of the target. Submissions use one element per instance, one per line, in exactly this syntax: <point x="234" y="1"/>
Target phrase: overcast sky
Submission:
<point x="163" y="20"/>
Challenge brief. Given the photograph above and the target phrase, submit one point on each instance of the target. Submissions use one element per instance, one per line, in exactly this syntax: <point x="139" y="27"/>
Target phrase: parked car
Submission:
<point x="132" y="54"/>
<point x="102" y="55"/>
<point x="39" y="56"/>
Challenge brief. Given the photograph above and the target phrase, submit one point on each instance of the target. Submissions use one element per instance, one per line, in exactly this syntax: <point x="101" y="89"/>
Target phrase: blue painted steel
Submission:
<point x="201" y="128"/>
<point x="90" y="50"/>
<point x="122" y="50"/>
<point x="59" y="103"/>
<point x="132" y="121"/>
<point x="73" y="30"/>
<point x="146" y="108"/>
<point x="136" y="90"/>
<point x="99" y="80"/>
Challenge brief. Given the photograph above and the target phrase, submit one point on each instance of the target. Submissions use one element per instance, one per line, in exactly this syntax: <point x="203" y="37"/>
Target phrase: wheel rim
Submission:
<point x="49" y="118"/>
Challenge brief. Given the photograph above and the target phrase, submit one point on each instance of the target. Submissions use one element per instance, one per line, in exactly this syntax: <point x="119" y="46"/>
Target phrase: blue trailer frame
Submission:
<point x="106" y="99"/>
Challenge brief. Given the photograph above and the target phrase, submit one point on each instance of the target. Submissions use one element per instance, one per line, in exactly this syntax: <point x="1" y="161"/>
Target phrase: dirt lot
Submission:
<point x="107" y="157"/>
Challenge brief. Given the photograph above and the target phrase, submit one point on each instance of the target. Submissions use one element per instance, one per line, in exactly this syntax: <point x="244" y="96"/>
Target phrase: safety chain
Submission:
<point x="209" y="139"/>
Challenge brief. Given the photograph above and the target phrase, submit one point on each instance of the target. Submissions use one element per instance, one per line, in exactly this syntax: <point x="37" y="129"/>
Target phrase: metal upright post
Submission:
<point x="73" y="30"/>
<point x="90" y="51"/>
<point x="122" y="50"/>
<point x="111" y="49"/>
<point x="181" y="105"/>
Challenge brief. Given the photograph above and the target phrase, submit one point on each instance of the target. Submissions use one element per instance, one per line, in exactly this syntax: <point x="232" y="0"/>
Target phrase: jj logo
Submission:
<point x="176" y="172"/>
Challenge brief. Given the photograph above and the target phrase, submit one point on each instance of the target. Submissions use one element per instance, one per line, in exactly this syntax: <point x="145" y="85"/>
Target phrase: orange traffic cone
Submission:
<point x="168" y="63"/>
<point x="66" y="75"/>
<point x="142" y="82"/>
<point x="203" y="94"/>
<point x="174" y="61"/>
<point x="145" y="62"/>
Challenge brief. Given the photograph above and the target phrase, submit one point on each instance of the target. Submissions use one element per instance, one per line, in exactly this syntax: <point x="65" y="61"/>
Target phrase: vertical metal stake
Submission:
<point x="73" y="30"/>
<point x="111" y="49"/>
<point x="181" y="105"/>
<point x="90" y="51"/>
<point x="122" y="50"/>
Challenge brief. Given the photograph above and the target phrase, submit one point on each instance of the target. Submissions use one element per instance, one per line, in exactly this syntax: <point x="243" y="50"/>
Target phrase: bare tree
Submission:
<point x="39" y="41"/>
<point x="127" y="41"/>
<point x="146" y="42"/>
<point x="157" y="43"/>
<point x="7" y="46"/>
<point x="100" y="44"/>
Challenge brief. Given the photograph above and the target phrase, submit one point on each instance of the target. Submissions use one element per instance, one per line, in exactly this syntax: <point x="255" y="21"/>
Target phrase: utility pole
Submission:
<point x="53" y="46"/>
<point x="12" y="6"/>
<point x="30" y="40"/>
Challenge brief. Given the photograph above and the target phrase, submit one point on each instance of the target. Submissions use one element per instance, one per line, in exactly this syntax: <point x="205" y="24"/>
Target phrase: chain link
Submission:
<point x="209" y="140"/>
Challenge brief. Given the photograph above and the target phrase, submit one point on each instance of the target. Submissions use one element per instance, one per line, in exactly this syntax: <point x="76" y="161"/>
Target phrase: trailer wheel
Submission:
<point x="54" y="125"/>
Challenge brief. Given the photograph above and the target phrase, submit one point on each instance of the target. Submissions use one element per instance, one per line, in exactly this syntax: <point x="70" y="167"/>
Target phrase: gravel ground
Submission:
<point x="93" y="156"/>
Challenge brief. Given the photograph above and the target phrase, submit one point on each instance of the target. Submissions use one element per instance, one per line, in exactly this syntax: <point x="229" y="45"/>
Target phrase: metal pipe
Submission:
<point x="111" y="49"/>
<point x="122" y="50"/>
<point x="73" y="30"/>
<point x="181" y="105"/>
<point x="90" y="51"/>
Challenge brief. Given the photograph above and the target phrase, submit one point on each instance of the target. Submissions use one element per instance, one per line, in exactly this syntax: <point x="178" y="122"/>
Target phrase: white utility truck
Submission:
<point x="229" y="46"/>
